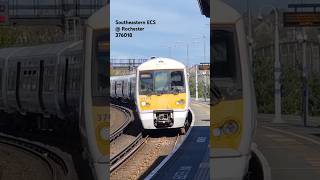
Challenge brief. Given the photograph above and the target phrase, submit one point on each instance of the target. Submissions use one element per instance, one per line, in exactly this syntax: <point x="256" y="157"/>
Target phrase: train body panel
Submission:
<point x="233" y="111"/>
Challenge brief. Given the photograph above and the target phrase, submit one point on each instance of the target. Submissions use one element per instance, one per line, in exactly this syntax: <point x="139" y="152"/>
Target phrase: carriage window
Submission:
<point x="99" y="64"/>
<point x="224" y="54"/>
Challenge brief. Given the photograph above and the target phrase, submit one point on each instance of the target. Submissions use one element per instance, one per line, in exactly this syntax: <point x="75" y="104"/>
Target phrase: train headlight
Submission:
<point x="180" y="102"/>
<point x="143" y="103"/>
<point x="230" y="127"/>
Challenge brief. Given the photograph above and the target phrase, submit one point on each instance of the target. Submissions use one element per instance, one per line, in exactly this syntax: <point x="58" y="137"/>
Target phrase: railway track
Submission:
<point x="133" y="155"/>
<point x="58" y="168"/>
<point x="123" y="155"/>
<point x="145" y="157"/>
<point x="129" y="117"/>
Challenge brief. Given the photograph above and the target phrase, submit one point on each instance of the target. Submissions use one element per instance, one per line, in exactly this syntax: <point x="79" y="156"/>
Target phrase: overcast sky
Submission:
<point x="176" y="21"/>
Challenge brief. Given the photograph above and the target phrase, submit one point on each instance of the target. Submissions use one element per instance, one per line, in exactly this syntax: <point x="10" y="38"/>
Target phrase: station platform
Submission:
<point x="290" y="150"/>
<point x="191" y="160"/>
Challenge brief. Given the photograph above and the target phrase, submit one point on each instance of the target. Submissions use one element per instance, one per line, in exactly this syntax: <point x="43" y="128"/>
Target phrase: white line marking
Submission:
<point x="201" y="139"/>
<point x="155" y="170"/>
<point x="182" y="173"/>
<point x="293" y="134"/>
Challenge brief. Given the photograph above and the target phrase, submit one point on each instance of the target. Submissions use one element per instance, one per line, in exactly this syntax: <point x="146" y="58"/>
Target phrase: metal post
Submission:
<point x="197" y="98"/>
<point x="187" y="54"/>
<point x="205" y="87"/>
<point x="277" y="71"/>
<point x="204" y="48"/>
<point x="305" y="79"/>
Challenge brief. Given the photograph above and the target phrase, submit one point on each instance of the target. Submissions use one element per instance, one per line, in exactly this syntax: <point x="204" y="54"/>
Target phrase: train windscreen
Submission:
<point x="161" y="82"/>
<point x="226" y="76"/>
<point x="100" y="64"/>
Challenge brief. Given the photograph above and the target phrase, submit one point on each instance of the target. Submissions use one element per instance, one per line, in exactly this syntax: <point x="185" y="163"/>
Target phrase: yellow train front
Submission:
<point x="233" y="106"/>
<point x="162" y="94"/>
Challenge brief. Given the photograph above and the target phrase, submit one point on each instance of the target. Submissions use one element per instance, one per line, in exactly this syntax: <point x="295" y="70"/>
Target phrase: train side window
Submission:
<point x="11" y="79"/>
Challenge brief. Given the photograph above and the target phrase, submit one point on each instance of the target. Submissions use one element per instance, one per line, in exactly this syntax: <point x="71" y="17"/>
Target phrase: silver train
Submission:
<point x="43" y="79"/>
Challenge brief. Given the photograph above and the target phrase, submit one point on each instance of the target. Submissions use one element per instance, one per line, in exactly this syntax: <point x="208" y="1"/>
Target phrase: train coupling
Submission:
<point x="163" y="118"/>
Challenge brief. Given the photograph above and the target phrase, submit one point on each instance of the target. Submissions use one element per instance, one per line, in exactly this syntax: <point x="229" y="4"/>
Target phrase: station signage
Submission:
<point x="301" y="19"/>
<point x="204" y="67"/>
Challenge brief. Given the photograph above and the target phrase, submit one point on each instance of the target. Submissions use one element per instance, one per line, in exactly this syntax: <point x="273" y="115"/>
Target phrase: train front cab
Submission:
<point x="232" y="95"/>
<point x="159" y="107"/>
<point x="95" y="104"/>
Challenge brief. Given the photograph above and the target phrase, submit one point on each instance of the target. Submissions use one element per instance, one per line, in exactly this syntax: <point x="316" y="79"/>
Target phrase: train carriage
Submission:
<point x="233" y="107"/>
<point x="67" y="80"/>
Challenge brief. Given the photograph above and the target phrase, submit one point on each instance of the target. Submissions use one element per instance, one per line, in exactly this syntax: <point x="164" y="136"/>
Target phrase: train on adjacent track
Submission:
<point x="160" y="93"/>
<point x="233" y="103"/>
<point x="64" y="83"/>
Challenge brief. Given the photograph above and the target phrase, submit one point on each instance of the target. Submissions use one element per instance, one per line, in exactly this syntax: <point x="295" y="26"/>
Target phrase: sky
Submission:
<point x="178" y="23"/>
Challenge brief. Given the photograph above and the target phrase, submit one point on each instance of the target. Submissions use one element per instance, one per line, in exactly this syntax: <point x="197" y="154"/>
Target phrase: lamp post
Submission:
<point x="302" y="38"/>
<point x="187" y="46"/>
<point x="277" y="67"/>
<point x="169" y="48"/>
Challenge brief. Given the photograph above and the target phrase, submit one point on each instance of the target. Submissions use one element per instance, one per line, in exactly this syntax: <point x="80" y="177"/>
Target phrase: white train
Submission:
<point x="233" y="109"/>
<point x="160" y="91"/>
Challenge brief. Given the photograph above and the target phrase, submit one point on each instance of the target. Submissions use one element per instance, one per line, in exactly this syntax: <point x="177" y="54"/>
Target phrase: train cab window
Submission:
<point x="161" y="81"/>
<point x="226" y="76"/>
<point x="146" y="83"/>
<point x="224" y="54"/>
<point x="177" y="81"/>
<point x="100" y="63"/>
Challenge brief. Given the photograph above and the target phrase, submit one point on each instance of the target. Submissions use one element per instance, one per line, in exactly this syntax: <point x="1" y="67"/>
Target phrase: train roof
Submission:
<point x="223" y="13"/>
<point x="40" y="50"/>
<point x="161" y="63"/>
<point x="100" y="19"/>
